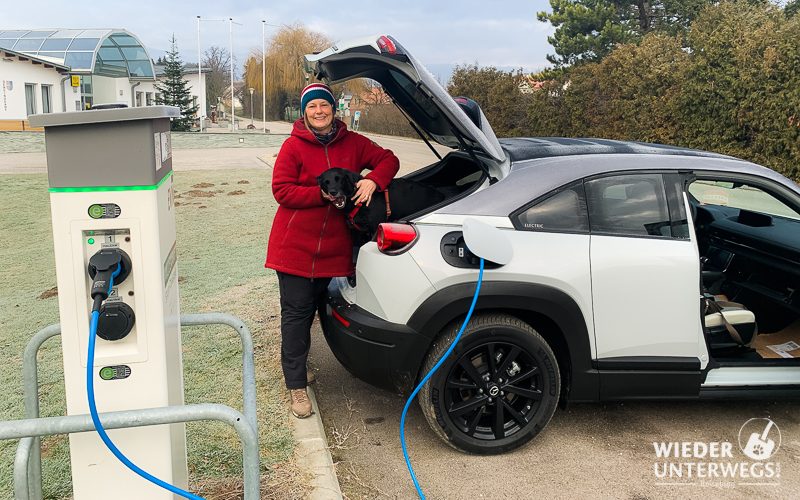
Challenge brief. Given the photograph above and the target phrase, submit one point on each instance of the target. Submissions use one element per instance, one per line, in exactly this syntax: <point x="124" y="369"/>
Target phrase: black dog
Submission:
<point x="405" y="198"/>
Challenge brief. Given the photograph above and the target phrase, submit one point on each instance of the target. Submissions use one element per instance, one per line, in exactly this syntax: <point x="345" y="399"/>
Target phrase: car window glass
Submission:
<point x="416" y="95"/>
<point x="677" y="204"/>
<point x="741" y="196"/>
<point x="563" y="211"/>
<point x="629" y="205"/>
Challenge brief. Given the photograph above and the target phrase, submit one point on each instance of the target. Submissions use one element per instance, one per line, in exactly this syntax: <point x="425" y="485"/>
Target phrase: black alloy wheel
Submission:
<point x="498" y="388"/>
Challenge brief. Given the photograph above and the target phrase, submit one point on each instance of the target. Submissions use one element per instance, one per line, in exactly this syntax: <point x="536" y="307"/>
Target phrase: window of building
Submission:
<point x="79" y="60"/>
<point x="30" y="98"/>
<point x="148" y="98"/>
<point x="47" y="97"/>
<point x="564" y="211"/>
<point x="628" y="205"/>
<point x="87" y="97"/>
<point x="138" y="99"/>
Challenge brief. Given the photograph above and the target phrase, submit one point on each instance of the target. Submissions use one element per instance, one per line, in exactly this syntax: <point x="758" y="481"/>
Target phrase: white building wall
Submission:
<point x="108" y="90"/>
<point x="72" y="97"/>
<point x="123" y="89"/>
<point x="197" y="90"/>
<point x="145" y="88"/>
<point x="14" y="74"/>
<point x="104" y="89"/>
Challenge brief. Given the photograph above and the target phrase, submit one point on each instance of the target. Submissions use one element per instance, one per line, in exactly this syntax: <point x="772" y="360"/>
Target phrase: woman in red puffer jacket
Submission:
<point x="309" y="242"/>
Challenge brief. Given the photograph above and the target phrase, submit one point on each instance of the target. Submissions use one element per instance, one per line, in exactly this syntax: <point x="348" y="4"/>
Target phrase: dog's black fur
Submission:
<point x="405" y="198"/>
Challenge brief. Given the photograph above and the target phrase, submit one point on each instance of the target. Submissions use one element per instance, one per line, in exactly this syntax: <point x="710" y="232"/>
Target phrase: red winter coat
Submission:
<point x="309" y="236"/>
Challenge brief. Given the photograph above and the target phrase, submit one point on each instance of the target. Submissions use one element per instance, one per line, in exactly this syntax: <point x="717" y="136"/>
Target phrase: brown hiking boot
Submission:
<point x="301" y="405"/>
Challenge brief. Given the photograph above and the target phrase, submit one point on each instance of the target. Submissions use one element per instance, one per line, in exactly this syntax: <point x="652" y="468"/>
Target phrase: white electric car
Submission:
<point x="625" y="257"/>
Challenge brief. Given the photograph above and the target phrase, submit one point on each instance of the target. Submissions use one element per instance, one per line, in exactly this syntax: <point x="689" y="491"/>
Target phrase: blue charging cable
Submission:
<point x="427" y="377"/>
<point x="93" y="408"/>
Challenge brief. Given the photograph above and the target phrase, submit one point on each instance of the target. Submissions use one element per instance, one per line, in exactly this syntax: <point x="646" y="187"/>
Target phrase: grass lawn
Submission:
<point x="223" y="221"/>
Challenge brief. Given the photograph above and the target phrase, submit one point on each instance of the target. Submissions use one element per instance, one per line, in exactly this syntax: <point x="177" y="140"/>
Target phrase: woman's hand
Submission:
<point x="364" y="190"/>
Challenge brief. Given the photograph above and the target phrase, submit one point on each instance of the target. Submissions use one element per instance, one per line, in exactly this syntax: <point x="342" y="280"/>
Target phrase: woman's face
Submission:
<point x="319" y="114"/>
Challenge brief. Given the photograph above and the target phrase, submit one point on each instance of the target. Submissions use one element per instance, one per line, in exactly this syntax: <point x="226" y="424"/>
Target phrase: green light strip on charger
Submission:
<point x="92" y="189"/>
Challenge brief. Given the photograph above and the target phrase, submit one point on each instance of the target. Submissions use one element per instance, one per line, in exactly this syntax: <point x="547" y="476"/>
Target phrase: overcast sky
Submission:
<point x="439" y="33"/>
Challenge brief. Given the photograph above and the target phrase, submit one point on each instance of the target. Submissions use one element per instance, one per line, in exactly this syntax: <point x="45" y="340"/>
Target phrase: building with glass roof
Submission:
<point x="101" y="66"/>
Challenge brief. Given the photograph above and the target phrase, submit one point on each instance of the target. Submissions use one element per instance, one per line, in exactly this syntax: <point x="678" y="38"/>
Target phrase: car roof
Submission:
<point x="528" y="148"/>
<point x="540" y="165"/>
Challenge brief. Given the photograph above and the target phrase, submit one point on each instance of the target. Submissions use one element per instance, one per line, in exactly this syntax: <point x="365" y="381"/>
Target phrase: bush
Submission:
<point x="731" y="86"/>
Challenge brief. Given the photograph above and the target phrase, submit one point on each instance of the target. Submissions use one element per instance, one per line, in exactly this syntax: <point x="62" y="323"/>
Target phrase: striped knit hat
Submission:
<point x="316" y="91"/>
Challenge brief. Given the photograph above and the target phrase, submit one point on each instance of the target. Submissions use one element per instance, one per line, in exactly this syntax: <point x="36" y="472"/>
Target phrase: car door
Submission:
<point x="645" y="277"/>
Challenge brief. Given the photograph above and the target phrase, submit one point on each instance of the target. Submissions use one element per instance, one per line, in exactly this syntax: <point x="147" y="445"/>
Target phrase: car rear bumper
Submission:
<point x="383" y="354"/>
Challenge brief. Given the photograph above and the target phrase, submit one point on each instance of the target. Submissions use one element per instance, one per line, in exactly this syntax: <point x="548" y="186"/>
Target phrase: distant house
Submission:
<point x="529" y="85"/>
<point x="191" y="76"/>
<point x="238" y="94"/>
<point x="371" y="96"/>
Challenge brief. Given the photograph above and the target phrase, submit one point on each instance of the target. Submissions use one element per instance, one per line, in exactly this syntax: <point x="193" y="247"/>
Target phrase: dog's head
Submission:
<point x="339" y="183"/>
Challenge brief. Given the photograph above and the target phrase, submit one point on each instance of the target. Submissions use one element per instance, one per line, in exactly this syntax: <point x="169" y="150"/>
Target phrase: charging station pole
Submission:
<point x="111" y="187"/>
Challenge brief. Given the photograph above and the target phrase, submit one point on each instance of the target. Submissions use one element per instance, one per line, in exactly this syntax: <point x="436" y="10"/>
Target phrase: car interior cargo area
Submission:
<point x="455" y="175"/>
<point x="750" y="258"/>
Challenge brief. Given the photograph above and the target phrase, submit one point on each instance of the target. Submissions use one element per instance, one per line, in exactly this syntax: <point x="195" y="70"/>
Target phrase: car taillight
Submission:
<point x="395" y="238"/>
<point x="387" y="45"/>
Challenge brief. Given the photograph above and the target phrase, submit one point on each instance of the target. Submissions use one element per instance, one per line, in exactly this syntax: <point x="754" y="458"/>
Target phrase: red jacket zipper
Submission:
<point x="325" y="221"/>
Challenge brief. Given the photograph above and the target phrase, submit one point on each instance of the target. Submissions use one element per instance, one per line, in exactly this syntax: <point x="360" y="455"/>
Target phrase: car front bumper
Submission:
<point x="383" y="354"/>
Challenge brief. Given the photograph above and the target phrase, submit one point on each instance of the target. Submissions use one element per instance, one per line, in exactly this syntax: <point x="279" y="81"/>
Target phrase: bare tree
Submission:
<point x="218" y="80"/>
<point x="371" y="93"/>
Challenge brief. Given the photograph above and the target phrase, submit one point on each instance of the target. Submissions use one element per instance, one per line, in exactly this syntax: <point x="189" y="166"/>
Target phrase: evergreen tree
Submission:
<point x="791" y="8"/>
<point x="588" y="30"/>
<point x="174" y="90"/>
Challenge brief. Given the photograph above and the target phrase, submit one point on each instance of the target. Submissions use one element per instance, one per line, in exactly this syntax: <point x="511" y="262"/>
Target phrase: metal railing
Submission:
<point x="28" y="462"/>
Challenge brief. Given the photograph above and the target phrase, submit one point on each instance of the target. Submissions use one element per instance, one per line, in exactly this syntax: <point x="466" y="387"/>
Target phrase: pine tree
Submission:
<point x="174" y="90"/>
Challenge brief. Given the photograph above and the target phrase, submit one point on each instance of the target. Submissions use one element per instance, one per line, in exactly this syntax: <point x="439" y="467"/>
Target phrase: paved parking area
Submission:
<point x="587" y="451"/>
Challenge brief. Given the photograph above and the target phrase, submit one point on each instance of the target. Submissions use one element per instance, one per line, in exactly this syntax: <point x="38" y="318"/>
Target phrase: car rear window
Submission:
<point x="564" y="211"/>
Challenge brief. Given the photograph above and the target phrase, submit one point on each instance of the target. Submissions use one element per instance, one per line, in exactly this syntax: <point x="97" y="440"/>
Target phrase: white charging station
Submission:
<point x="111" y="186"/>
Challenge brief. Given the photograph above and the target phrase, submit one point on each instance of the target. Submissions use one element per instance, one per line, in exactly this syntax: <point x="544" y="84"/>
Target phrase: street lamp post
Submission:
<point x="201" y="88"/>
<point x="264" y="75"/>
<point x="230" y="48"/>
<point x="200" y="112"/>
<point x="251" y="106"/>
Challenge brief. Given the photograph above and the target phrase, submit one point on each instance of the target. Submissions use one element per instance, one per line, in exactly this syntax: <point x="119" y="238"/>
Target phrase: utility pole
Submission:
<point x="230" y="44"/>
<point x="201" y="90"/>
<point x="201" y="86"/>
<point x="263" y="75"/>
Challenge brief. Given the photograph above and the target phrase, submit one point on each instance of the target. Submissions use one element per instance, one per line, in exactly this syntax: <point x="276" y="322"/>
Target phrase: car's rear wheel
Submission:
<point x="498" y="388"/>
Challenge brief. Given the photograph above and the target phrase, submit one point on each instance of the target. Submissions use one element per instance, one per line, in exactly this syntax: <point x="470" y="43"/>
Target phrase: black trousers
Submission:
<point x="300" y="298"/>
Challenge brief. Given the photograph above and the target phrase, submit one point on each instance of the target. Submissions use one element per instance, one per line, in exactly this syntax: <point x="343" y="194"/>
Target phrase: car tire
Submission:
<point x="492" y="407"/>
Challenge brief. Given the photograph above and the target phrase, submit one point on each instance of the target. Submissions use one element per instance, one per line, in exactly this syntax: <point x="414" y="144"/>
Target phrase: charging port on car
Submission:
<point x="456" y="253"/>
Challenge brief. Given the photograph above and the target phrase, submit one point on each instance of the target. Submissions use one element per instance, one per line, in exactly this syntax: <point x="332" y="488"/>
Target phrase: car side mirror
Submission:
<point x="487" y="241"/>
